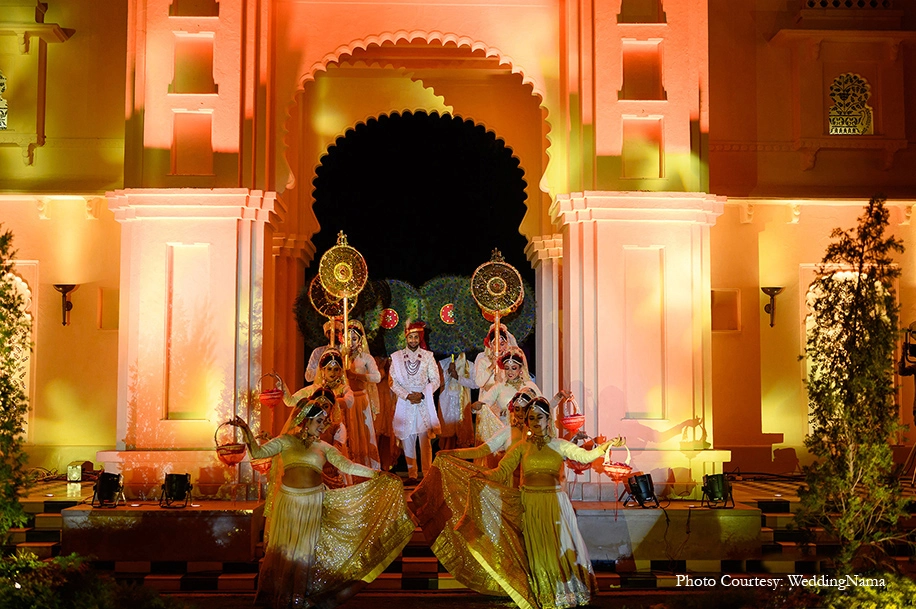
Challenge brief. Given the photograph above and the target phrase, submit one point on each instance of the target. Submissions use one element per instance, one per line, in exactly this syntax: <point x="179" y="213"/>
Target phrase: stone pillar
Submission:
<point x="191" y="318"/>
<point x="637" y="328"/>
<point x="546" y="255"/>
<point x="291" y="256"/>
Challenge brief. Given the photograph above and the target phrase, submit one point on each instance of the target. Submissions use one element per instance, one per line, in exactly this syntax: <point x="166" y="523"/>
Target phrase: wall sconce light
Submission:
<point x="66" y="305"/>
<point x="770" y="307"/>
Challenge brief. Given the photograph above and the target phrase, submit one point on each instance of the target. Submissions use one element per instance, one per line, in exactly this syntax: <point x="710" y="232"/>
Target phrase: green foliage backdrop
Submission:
<point x="851" y="489"/>
<point x="15" y="331"/>
<point x="410" y="303"/>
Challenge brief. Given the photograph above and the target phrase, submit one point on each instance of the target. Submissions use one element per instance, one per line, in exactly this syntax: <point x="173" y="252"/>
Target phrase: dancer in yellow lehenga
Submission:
<point x="527" y="540"/>
<point x="323" y="545"/>
<point x="440" y="500"/>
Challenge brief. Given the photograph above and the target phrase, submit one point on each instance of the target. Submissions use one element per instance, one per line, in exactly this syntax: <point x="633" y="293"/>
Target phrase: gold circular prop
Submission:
<point x="326" y="303"/>
<point x="497" y="286"/>
<point x="342" y="269"/>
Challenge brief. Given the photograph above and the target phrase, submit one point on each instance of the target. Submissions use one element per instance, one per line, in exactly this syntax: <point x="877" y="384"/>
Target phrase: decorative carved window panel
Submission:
<point x="850" y="113"/>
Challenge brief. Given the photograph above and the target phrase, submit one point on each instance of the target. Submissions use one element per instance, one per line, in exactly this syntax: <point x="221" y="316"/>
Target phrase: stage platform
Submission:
<point x="214" y="545"/>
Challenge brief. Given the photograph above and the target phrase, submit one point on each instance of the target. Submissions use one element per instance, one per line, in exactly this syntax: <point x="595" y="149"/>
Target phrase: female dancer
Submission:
<point x="507" y="435"/>
<point x="362" y="376"/>
<point x="441" y="498"/>
<point x="323" y="546"/>
<point x="538" y="557"/>
<point x="512" y="377"/>
<point x="330" y="376"/>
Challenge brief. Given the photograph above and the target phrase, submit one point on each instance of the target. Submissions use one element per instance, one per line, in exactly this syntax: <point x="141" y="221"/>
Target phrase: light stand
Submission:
<point x="717" y="490"/>
<point x="640" y="489"/>
<point x="177" y="488"/>
<point x="107" y="492"/>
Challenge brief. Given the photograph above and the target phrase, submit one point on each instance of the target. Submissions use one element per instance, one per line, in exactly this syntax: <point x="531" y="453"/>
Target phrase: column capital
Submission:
<point x="294" y="246"/>
<point x="190" y="203"/>
<point x="544" y="247"/>
<point x="680" y="207"/>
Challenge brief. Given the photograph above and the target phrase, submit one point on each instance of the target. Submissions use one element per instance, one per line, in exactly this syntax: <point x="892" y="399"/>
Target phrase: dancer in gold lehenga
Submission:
<point x="440" y="499"/>
<point x="527" y="540"/>
<point x="323" y="545"/>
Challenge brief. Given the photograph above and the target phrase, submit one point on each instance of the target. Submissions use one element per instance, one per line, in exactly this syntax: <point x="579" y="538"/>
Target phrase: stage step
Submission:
<point x="782" y="550"/>
<point x="41" y="549"/>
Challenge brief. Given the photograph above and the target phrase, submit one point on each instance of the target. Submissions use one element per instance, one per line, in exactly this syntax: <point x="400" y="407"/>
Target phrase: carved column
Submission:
<point x="636" y="325"/>
<point x="546" y="255"/>
<point x="291" y="256"/>
<point x="191" y="318"/>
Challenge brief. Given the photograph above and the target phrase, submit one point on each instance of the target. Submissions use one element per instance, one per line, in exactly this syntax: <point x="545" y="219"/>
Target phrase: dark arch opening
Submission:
<point x="422" y="195"/>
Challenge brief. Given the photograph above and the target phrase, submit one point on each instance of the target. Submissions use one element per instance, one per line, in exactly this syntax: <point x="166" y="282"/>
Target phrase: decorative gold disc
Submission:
<point x="342" y="270"/>
<point x="326" y="303"/>
<point x="497" y="286"/>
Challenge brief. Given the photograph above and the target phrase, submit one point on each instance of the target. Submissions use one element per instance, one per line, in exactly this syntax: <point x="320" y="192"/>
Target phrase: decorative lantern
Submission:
<point x="230" y="454"/>
<point x="617" y="471"/>
<point x="573" y="420"/>
<point x="576" y="467"/>
<point x="273" y="396"/>
<point x="262" y="465"/>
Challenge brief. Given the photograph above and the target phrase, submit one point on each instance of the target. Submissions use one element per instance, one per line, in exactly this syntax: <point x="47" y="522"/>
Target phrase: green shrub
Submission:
<point x="69" y="582"/>
<point x="15" y="339"/>
<point x="851" y="489"/>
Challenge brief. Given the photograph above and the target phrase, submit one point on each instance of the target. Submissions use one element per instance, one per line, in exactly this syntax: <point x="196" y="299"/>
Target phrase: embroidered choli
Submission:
<point x="296" y="454"/>
<point x="548" y="460"/>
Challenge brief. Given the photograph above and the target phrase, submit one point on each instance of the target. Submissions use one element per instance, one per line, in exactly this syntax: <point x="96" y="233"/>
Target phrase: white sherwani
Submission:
<point x="414" y="371"/>
<point x="455" y="394"/>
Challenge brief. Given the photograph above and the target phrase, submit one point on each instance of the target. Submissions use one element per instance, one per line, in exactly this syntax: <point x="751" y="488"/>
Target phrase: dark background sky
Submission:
<point x="422" y="195"/>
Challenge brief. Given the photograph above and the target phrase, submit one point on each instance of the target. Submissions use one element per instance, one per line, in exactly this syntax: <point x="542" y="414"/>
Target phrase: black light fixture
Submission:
<point x="770" y="307"/>
<point x="641" y="489"/>
<point x="66" y="305"/>
<point x="177" y="488"/>
<point x="717" y="492"/>
<point x="107" y="491"/>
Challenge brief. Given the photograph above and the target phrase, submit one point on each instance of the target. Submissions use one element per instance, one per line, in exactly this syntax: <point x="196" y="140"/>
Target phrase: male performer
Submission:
<point x="496" y="341"/>
<point x="414" y="376"/>
<point x="458" y="381"/>
<point x="332" y="325"/>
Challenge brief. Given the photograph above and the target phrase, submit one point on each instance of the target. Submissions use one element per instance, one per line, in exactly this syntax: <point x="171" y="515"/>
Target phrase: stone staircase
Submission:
<point x="42" y="531"/>
<point x="782" y="550"/>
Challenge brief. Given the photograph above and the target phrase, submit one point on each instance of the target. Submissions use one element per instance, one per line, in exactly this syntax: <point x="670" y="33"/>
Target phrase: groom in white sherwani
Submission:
<point x="414" y="376"/>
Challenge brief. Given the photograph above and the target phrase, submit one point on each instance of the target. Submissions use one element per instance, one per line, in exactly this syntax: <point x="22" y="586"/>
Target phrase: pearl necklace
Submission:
<point x="412" y="367"/>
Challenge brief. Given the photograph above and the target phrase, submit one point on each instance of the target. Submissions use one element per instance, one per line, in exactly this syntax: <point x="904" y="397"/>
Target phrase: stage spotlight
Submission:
<point x="717" y="490"/>
<point x="641" y="489"/>
<point x="107" y="491"/>
<point x="176" y="489"/>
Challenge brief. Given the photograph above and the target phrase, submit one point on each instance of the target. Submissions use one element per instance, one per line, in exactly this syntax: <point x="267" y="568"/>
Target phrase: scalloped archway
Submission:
<point x="422" y="195"/>
<point x="414" y="72"/>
